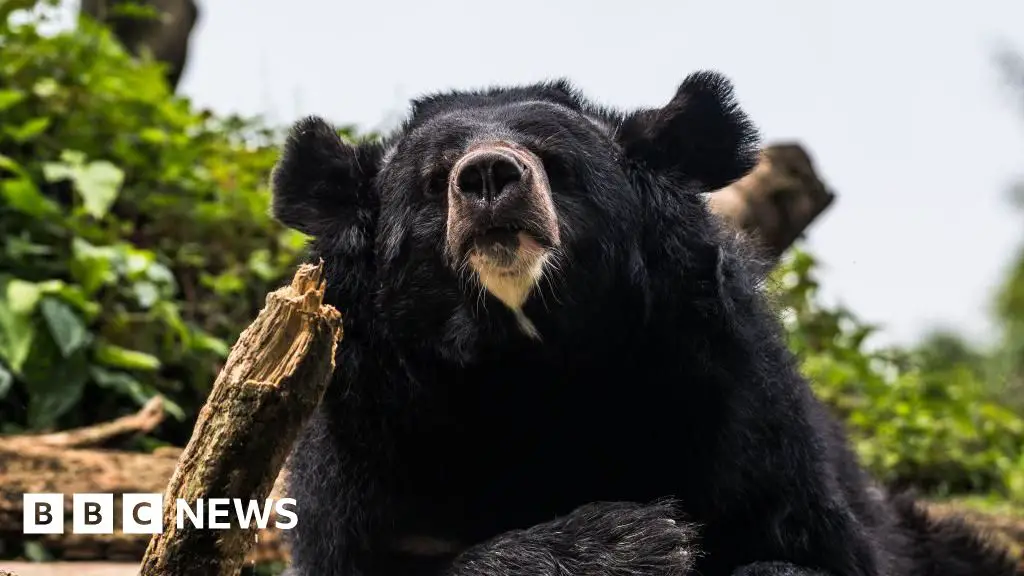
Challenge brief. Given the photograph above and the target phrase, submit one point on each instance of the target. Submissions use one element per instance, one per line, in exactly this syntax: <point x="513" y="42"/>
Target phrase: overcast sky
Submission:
<point x="900" y="104"/>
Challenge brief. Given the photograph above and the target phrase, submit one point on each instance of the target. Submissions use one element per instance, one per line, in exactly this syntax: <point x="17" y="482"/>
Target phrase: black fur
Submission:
<point x="660" y="371"/>
<point x="611" y="539"/>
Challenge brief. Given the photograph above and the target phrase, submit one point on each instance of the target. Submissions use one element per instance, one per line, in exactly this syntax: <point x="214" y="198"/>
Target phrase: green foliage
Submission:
<point x="1009" y="357"/>
<point x="922" y="418"/>
<point x="136" y="240"/>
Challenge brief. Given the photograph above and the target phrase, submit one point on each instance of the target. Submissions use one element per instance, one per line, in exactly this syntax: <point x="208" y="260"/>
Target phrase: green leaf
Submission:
<point x="17" y="332"/>
<point x="22" y="195"/>
<point x="22" y="296"/>
<point x="8" y="163"/>
<point x="92" y="266"/>
<point x="259" y="264"/>
<point x="45" y="87"/>
<point x="56" y="171"/>
<point x="9" y="98"/>
<point x="138" y="11"/>
<point x="73" y="157"/>
<point x="225" y="284"/>
<point x="66" y="328"/>
<point x="118" y="357"/>
<point x="8" y="7"/>
<point x="20" y="247"/>
<point x="54" y="383"/>
<point x="6" y="382"/>
<point x="121" y="383"/>
<point x="73" y="295"/>
<point x="146" y="294"/>
<point x="174" y="409"/>
<point x="28" y="130"/>
<point x="99" y="184"/>
<point x="124" y="384"/>
<point x="206" y="342"/>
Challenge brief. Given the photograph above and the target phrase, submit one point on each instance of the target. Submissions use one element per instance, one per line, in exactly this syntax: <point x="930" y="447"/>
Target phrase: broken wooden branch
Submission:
<point x="273" y="380"/>
<point x="145" y="420"/>
<point x="777" y="201"/>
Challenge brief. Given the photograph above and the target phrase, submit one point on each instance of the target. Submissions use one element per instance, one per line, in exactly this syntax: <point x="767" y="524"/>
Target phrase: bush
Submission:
<point x="916" y="418"/>
<point x="136" y="236"/>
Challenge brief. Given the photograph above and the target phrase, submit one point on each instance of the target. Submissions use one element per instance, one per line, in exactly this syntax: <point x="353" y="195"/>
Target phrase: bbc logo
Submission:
<point x="92" y="513"/>
<point x="143" y="513"/>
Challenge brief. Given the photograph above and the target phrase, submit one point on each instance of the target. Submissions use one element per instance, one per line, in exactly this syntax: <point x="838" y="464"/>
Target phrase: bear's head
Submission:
<point x="508" y="212"/>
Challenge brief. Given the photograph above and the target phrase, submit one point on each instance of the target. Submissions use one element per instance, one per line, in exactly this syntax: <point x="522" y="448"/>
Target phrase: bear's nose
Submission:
<point x="488" y="174"/>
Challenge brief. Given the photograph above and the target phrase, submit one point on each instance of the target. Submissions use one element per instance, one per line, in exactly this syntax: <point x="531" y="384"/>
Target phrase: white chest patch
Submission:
<point x="525" y="324"/>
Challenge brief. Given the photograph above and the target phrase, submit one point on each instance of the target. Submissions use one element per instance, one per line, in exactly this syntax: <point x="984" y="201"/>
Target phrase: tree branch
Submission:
<point x="272" y="382"/>
<point x="145" y="420"/>
<point x="777" y="201"/>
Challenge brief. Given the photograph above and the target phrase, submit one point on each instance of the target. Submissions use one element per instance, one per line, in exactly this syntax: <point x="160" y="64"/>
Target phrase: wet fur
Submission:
<point x="661" y="371"/>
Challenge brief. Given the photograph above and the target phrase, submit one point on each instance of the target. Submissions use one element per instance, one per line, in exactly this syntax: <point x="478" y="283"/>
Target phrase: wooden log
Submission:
<point x="777" y="201"/>
<point x="272" y="381"/>
<point x="145" y="420"/>
<point x="58" y="470"/>
<point x="62" y="463"/>
<point x="73" y="568"/>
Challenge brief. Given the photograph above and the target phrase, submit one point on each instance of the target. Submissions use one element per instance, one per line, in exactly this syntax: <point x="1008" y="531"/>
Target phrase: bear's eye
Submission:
<point x="436" y="185"/>
<point x="558" y="168"/>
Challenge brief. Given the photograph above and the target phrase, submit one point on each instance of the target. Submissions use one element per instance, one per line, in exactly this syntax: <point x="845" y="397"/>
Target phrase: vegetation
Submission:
<point x="923" y="418"/>
<point x="136" y="235"/>
<point x="136" y="244"/>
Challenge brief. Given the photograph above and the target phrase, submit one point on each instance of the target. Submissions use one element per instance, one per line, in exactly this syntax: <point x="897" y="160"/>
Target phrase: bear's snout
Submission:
<point x="487" y="175"/>
<point x="499" y="191"/>
<point x="501" y="218"/>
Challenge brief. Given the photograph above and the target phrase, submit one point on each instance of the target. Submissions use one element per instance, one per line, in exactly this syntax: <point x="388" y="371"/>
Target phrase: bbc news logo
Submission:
<point x="143" y="513"/>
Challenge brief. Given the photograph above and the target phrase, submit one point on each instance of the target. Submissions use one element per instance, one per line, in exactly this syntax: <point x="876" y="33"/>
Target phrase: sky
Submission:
<point x="900" y="104"/>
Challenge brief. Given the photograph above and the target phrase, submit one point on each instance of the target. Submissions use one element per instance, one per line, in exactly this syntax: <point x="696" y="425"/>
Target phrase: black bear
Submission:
<point x="556" y="361"/>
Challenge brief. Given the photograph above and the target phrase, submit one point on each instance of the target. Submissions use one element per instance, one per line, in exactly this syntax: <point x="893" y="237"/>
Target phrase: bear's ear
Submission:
<point x="321" y="184"/>
<point x="701" y="134"/>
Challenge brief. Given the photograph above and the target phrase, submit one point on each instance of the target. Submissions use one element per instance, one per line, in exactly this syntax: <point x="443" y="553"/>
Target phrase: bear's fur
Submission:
<point x="558" y="327"/>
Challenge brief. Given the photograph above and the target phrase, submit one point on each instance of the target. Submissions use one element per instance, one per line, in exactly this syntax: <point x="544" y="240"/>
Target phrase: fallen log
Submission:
<point x="56" y="470"/>
<point x="73" y="569"/>
<point x="776" y="202"/>
<point x="145" y="420"/>
<point x="273" y="380"/>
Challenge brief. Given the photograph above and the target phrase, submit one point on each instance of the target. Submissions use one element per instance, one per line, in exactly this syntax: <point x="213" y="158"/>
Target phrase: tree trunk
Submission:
<point x="166" y="36"/>
<point x="777" y="201"/>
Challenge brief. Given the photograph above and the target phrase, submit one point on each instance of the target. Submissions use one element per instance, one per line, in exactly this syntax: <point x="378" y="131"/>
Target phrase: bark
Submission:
<point x="274" y="378"/>
<point x="166" y="37"/>
<point x="777" y="201"/>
